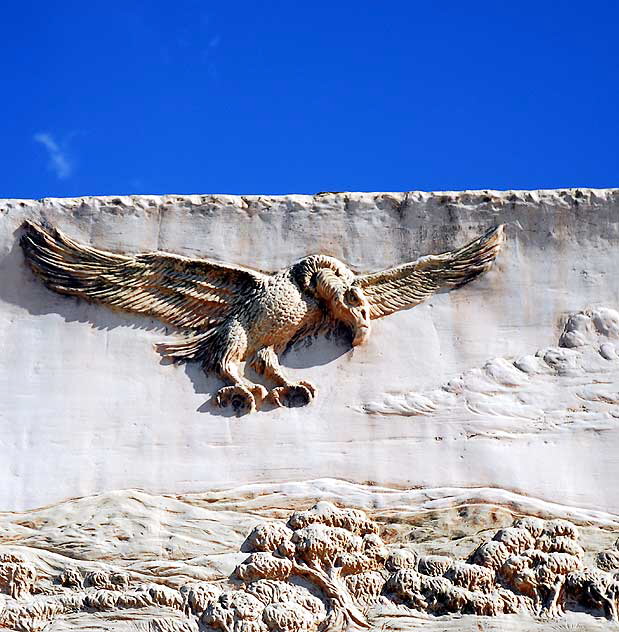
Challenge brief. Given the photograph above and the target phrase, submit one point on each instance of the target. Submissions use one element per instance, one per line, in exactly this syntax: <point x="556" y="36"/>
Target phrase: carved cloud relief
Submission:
<point x="565" y="387"/>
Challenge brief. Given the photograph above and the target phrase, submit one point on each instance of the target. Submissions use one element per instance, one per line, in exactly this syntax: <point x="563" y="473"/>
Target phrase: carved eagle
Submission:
<point x="230" y="314"/>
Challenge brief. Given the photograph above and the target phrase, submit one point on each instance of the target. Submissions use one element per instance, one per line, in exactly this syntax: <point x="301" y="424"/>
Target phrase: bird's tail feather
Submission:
<point x="191" y="347"/>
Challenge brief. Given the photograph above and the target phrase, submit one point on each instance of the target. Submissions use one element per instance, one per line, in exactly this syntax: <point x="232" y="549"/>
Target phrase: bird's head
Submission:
<point x="333" y="284"/>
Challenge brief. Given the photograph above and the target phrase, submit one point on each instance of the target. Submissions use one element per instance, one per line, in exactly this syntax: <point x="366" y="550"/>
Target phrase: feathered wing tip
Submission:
<point x="467" y="263"/>
<point x="62" y="264"/>
<point x="405" y="286"/>
<point x="190" y="294"/>
<point x="72" y="268"/>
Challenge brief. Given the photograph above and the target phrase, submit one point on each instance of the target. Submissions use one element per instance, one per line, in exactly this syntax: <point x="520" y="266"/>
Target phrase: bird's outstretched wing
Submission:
<point x="407" y="285"/>
<point x="190" y="294"/>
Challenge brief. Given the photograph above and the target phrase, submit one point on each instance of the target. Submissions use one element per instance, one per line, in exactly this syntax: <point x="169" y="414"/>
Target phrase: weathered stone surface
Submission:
<point x="88" y="406"/>
<point x="456" y="420"/>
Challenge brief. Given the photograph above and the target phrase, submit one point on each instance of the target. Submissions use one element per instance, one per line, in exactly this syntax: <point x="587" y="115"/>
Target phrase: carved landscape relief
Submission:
<point x="450" y="559"/>
<point x="478" y="554"/>
<point x="489" y="480"/>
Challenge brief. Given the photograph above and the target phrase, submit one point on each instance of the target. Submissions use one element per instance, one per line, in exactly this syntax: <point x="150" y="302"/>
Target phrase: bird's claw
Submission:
<point x="243" y="399"/>
<point x="293" y="395"/>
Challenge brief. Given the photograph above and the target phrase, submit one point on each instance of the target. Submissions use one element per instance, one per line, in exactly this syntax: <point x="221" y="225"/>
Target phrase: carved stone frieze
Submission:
<point x="469" y="444"/>
<point x="323" y="568"/>
<point x="231" y="315"/>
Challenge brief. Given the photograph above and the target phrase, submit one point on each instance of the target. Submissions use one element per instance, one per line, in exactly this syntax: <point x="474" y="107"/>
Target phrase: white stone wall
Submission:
<point x="86" y="404"/>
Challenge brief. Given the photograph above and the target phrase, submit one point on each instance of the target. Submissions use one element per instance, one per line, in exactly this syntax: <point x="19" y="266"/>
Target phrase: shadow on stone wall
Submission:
<point x="21" y="287"/>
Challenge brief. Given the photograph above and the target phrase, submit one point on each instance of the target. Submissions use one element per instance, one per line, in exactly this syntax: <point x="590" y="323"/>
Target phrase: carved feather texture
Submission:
<point x="407" y="285"/>
<point x="231" y="314"/>
<point x="187" y="293"/>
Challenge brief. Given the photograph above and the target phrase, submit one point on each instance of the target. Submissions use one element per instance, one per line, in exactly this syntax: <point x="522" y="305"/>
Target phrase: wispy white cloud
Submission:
<point x="59" y="162"/>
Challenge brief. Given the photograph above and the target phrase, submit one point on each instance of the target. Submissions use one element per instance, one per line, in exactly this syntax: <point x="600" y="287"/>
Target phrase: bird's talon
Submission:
<point x="240" y="398"/>
<point x="260" y="394"/>
<point x="293" y="395"/>
<point x="309" y="386"/>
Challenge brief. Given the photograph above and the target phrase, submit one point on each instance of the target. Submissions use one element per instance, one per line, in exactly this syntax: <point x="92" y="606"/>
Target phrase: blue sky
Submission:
<point x="299" y="97"/>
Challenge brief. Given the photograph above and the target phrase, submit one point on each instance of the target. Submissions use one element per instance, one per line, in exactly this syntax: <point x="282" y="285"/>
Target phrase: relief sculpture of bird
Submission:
<point x="228" y="314"/>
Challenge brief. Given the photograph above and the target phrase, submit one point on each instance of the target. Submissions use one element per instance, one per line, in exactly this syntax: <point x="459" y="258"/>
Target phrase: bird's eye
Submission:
<point x="353" y="298"/>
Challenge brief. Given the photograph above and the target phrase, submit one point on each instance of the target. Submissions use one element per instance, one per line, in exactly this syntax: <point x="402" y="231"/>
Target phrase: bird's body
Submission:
<point x="231" y="315"/>
<point x="283" y="310"/>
